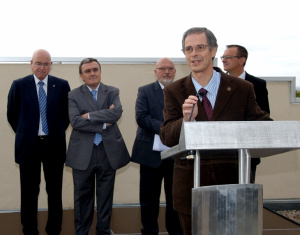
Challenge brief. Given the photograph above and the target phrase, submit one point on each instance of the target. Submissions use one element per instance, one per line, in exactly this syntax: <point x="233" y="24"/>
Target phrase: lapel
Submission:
<point x="188" y="89"/>
<point x="250" y="79"/>
<point x="33" y="91"/>
<point x="88" y="97"/>
<point x="158" y="93"/>
<point x="226" y="89"/>
<point x="101" y="96"/>
<point x="246" y="76"/>
<point x="51" y="92"/>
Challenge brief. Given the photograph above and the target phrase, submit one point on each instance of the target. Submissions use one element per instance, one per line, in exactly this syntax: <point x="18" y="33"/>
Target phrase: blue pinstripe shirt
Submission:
<point x="212" y="87"/>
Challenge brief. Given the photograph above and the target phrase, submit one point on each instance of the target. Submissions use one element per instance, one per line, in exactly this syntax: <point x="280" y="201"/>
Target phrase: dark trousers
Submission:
<point x="253" y="170"/>
<point x="150" y="190"/>
<point x="99" y="173"/>
<point x="30" y="177"/>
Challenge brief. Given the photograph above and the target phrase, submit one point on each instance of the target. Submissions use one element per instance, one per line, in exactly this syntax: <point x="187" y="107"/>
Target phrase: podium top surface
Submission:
<point x="261" y="138"/>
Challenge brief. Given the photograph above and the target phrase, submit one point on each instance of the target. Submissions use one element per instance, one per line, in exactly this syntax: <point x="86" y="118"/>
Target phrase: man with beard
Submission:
<point x="149" y="117"/>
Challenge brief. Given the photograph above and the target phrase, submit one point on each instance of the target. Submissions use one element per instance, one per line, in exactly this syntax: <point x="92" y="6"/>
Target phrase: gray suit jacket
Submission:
<point x="82" y="138"/>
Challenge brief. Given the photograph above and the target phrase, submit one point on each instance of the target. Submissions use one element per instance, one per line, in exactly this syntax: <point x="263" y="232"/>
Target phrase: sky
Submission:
<point x="269" y="29"/>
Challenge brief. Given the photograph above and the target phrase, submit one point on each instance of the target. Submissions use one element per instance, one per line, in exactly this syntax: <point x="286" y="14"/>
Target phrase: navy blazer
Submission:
<point x="261" y="92"/>
<point x="24" y="116"/>
<point x="149" y="117"/>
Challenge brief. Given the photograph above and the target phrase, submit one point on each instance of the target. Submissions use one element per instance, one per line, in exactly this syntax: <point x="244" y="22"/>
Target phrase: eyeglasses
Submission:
<point x="41" y="64"/>
<point x="228" y="57"/>
<point x="166" y="68"/>
<point x="198" y="48"/>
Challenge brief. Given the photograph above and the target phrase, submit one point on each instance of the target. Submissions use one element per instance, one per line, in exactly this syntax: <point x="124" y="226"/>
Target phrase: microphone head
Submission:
<point x="200" y="93"/>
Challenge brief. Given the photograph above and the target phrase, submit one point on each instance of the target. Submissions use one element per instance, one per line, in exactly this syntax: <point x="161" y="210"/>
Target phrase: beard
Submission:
<point x="166" y="80"/>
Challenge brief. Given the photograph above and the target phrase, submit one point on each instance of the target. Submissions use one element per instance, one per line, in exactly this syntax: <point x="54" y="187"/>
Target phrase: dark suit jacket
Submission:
<point x="149" y="117"/>
<point x="235" y="102"/>
<point x="82" y="138"/>
<point x="23" y="115"/>
<point x="261" y="93"/>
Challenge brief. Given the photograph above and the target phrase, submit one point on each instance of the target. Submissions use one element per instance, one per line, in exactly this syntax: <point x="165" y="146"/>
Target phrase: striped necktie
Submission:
<point x="206" y="103"/>
<point x="43" y="107"/>
<point x="98" y="137"/>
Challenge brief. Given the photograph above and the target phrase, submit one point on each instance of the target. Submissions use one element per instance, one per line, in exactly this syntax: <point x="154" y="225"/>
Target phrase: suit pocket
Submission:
<point x="76" y="137"/>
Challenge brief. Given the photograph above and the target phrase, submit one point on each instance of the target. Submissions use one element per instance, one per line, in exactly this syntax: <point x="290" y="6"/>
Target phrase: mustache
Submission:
<point x="195" y="58"/>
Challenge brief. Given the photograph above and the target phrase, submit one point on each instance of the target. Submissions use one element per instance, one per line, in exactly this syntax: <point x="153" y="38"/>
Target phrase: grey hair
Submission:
<point x="211" y="39"/>
<point x="88" y="60"/>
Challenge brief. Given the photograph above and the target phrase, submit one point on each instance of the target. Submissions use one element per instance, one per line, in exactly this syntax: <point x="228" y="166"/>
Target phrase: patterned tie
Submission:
<point x="206" y="104"/>
<point x="98" y="137"/>
<point x="43" y="107"/>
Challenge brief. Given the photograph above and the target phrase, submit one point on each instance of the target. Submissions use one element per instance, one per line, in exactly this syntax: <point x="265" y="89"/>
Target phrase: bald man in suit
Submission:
<point x="154" y="171"/>
<point x="40" y="139"/>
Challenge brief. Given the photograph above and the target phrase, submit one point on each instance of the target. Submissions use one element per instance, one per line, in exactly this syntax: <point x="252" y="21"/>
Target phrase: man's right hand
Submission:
<point x="187" y="108"/>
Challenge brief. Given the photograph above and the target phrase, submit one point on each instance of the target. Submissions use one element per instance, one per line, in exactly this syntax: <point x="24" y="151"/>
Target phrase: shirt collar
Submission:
<point x="94" y="89"/>
<point x="243" y="75"/>
<point x="161" y="85"/>
<point x="45" y="80"/>
<point x="213" y="85"/>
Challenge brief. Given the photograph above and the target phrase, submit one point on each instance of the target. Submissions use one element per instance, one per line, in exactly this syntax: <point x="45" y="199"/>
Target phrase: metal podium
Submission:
<point x="237" y="208"/>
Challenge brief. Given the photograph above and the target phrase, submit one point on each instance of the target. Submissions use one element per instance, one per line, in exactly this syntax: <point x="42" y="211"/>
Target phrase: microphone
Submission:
<point x="192" y="153"/>
<point x="199" y="93"/>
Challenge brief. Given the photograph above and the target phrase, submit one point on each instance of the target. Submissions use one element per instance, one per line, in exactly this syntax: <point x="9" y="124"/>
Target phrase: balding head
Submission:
<point x="41" y="63"/>
<point x="41" y="52"/>
<point x="165" y="71"/>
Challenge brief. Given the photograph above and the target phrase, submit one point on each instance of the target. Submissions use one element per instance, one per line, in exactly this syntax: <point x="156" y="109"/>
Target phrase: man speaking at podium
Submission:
<point x="207" y="94"/>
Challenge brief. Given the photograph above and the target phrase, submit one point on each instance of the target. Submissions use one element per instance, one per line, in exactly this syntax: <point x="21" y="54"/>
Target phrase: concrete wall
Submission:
<point x="278" y="174"/>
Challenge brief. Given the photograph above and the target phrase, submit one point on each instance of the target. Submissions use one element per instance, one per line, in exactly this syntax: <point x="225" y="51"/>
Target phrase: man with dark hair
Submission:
<point x="234" y="61"/>
<point x="96" y="148"/>
<point x="149" y="117"/>
<point x="223" y="98"/>
<point x="37" y="111"/>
